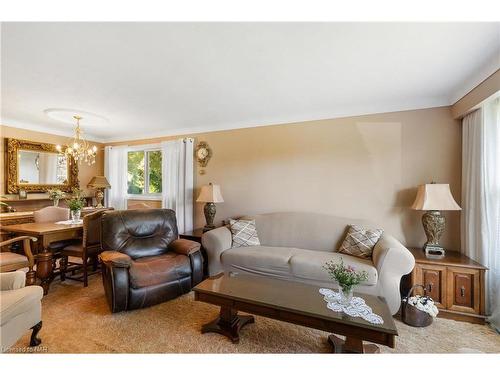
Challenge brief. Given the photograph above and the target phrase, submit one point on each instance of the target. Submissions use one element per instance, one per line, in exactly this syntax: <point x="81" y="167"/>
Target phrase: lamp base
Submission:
<point x="99" y="195"/>
<point x="209" y="210"/>
<point x="434" y="224"/>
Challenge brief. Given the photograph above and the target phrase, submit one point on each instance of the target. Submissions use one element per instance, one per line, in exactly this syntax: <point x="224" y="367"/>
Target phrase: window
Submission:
<point x="144" y="172"/>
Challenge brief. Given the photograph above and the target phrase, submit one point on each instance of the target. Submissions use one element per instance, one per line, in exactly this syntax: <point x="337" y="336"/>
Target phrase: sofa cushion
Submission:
<point x="263" y="259"/>
<point x="159" y="269"/>
<point x="244" y="233"/>
<point x="18" y="301"/>
<point x="7" y="259"/>
<point x="359" y="242"/>
<point x="308" y="264"/>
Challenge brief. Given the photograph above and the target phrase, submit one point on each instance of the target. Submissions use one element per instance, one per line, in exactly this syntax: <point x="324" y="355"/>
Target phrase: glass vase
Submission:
<point x="345" y="294"/>
<point x="56" y="202"/>
<point x="75" y="216"/>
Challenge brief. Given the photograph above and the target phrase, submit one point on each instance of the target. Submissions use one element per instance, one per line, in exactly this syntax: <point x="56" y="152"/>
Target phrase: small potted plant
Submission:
<point x="55" y="195"/>
<point x="347" y="278"/>
<point x="75" y="205"/>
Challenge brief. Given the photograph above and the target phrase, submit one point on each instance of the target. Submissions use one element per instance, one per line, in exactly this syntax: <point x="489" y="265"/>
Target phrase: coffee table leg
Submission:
<point x="228" y="324"/>
<point x="351" y="345"/>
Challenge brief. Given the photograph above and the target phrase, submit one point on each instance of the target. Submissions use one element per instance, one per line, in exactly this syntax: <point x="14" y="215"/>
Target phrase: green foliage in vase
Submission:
<point x="55" y="194"/>
<point x="346" y="276"/>
<point x="76" y="202"/>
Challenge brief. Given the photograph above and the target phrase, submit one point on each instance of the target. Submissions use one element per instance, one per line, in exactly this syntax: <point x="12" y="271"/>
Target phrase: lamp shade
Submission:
<point x="210" y="193"/>
<point x="98" y="182"/>
<point x="435" y="197"/>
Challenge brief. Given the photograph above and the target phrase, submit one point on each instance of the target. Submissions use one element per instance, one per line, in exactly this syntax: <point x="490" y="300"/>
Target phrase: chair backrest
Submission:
<point x="138" y="206"/>
<point x="92" y="228"/>
<point x="51" y="214"/>
<point x="138" y="233"/>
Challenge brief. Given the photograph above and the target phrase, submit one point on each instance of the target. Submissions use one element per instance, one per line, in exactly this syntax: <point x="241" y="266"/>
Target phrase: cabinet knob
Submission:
<point x="462" y="291"/>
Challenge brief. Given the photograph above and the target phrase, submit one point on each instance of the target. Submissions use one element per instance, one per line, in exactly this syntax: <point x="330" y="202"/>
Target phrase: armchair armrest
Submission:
<point x="115" y="259"/>
<point x="215" y="242"/>
<point x="26" y="247"/>
<point x="12" y="280"/>
<point x="184" y="247"/>
<point x="392" y="261"/>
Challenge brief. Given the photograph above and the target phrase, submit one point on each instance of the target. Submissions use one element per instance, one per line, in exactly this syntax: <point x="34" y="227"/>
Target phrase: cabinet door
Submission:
<point x="434" y="280"/>
<point x="464" y="290"/>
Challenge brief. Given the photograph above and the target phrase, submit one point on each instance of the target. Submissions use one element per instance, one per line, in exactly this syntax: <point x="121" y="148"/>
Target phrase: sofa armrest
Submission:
<point x="184" y="247"/>
<point x="12" y="280"/>
<point x="215" y="242"/>
<point x="115" y="259"/>
<point x="392" y="261"/>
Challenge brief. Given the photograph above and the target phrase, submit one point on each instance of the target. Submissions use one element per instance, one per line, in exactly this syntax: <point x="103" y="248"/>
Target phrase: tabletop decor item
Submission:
<point x="417" y="310"/>
<point x="357" y="307"/>
<point x="346" y="277"/>
<point x="434" y="198"/>
<point x="99" y="183"/>
<point x="55" y="195"/>
<point x="210" y="194"/>
<point x="75" y="204"/>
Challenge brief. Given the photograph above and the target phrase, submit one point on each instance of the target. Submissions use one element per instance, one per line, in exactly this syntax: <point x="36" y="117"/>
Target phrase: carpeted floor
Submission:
<point x="77" y="320"/>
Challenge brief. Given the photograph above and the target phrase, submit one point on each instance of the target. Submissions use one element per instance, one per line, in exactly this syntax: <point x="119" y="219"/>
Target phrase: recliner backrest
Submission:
<point x="138" y="233"/>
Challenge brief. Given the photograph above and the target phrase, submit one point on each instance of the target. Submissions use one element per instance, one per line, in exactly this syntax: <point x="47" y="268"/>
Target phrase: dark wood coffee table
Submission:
<point x="291" y="302"/>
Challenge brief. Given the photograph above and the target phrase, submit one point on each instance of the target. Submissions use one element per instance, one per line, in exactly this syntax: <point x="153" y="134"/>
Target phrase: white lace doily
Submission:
<point x="69" y="222"/>
<point x="357" y="308"/>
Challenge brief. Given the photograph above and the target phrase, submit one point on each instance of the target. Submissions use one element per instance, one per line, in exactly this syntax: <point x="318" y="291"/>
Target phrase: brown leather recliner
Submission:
<point x="144" y="262"/>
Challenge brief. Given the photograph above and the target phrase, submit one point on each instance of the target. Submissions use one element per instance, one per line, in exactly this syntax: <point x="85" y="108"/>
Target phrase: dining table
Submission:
<point x="46" y="233"/>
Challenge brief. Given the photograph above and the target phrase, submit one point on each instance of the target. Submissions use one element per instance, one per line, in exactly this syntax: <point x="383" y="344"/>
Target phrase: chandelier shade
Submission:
<point x="79" y="149"/>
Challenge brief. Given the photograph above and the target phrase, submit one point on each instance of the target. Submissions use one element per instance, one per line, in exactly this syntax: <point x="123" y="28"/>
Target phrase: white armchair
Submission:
<point x="20" y="309"/>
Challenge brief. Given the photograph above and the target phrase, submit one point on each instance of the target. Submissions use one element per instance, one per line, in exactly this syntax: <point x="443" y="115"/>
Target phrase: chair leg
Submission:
<point x="35" y="341"/>
<point x="85" y="272"/>
<point x="95" y="263"/>
<point x="63" y="265"/>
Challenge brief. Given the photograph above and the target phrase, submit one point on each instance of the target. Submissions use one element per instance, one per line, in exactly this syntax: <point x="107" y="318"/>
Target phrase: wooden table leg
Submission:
<point x="228" y="324"/>
<point x="44" y="269"/>
<point x="351" y="345"/>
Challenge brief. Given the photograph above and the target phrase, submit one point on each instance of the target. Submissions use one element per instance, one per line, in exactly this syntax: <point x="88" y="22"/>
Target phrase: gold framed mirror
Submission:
<point x="37" y="167"/>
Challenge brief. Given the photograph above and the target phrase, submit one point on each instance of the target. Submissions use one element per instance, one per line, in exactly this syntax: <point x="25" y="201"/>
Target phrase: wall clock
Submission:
<point x="203" y="154"/>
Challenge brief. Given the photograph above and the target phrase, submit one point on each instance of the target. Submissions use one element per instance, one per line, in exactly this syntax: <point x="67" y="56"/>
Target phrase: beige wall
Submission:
<point x="360" y="167"/>
<point x="85" y="172"/>
<point x="483" y="91"/>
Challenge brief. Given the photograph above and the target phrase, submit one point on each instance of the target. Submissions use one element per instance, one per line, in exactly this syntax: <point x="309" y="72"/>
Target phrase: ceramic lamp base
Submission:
<point x="209" y="210"/>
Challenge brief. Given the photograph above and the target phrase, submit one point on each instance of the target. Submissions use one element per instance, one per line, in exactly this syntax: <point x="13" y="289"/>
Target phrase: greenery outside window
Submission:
<point x="144" y="173"/>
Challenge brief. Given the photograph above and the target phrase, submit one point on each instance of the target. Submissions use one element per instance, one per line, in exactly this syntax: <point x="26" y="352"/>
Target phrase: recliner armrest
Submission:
<point x="115" y="259"/>
<point x="184" y="247"/>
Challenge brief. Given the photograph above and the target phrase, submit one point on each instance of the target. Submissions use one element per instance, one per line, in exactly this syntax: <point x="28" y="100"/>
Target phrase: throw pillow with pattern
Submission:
<point x="359" y="242"/>
<point x="244" y="233"/>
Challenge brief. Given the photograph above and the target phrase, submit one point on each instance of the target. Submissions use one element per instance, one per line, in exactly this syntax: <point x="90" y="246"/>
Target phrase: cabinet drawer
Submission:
<point x="464" y="290"/>
<point x="434" y="280"/>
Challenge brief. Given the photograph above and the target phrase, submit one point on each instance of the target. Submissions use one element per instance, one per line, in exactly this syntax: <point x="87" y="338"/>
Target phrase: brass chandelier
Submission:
<point x="79" y="149"/>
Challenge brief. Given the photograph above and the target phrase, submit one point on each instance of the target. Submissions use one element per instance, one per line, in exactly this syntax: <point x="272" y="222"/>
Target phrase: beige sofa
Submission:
<point x="295" y="246"/>
<point x="20" y="309"/>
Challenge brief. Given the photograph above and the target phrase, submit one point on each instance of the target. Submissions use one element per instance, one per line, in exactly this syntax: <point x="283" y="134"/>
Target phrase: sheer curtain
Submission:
<point x="481" y="197"/>
<point x="177" y="180"/>
<point x="115" y="170"/>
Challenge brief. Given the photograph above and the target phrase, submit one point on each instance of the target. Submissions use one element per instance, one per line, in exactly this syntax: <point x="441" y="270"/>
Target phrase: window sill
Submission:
<point x="144" y="197"/>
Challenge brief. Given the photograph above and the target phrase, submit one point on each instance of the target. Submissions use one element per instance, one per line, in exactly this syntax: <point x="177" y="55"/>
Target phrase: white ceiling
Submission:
<point x="153" y="79"/>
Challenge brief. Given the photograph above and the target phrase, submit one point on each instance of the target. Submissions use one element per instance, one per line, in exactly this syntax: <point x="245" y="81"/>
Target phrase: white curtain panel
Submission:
<point x="115" y="170"/>
<point x="481" y="197"/>
<point x="177" y="180"/>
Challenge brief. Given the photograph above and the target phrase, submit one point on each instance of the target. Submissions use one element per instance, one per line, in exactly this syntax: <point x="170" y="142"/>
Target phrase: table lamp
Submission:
<point x="434" y="198"/>
<point x="210" y="194"/>
<point x="99" y="183"/>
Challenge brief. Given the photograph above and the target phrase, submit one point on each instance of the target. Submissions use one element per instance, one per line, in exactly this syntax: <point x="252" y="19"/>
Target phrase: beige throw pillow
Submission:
<point x="359" y="242"/>
<point x="244" y="233"/>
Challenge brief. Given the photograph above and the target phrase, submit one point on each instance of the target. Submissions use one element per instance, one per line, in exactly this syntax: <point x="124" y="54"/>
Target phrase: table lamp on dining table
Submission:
<point x="434" y="198"/>
<point x="99" y="183"/>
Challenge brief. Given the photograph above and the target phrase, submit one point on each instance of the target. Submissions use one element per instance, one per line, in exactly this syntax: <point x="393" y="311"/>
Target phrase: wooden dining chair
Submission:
<point x="10" y="261"/>
<point x="88" y="248"/>
<point x="53" y="214"/>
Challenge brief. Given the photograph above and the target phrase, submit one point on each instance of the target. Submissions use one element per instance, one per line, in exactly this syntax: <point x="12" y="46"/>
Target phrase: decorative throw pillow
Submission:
<point x="359" y="242"/>
<point x="244" y="233"/>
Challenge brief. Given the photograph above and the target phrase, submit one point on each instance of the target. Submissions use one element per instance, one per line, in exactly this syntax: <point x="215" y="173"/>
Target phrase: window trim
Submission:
<point x="145" y="149"/>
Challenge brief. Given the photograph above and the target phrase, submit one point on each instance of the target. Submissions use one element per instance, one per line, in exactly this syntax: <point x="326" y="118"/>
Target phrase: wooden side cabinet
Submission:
<point x="455" y="282"/>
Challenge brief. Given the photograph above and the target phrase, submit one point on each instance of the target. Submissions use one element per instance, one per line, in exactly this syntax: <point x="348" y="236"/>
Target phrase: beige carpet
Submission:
<point x="77" y="320"/>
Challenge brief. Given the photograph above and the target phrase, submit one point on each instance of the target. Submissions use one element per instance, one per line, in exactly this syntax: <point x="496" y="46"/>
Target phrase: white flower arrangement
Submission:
<point x="423" y="303"/>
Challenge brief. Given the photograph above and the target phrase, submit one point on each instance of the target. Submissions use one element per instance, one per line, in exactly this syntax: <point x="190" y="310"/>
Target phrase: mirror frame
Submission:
<point x="13" y="146"/>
